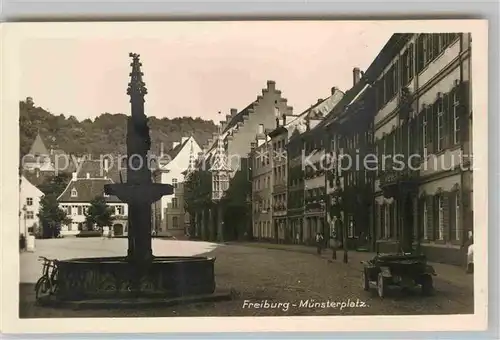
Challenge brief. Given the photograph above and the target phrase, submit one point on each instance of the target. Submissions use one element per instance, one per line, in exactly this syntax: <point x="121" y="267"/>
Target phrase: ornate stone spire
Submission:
<point x="136" y="88"/>
<point x="220" y="158"/>
<point x="192" y="160"/>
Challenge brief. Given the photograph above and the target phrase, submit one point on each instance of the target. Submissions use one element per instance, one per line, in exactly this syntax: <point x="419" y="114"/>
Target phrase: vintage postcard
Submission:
<point x="291" y="175"/>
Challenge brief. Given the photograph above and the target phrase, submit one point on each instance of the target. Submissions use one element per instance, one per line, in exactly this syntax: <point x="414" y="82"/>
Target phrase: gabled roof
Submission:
<point x="26" y="182"/>
<point x="346" y="100"/>
<point x="38" y="147"/>
<point x="237" y="118"/>
<point x="172" y="153"/>
<point x="87" y="190"/>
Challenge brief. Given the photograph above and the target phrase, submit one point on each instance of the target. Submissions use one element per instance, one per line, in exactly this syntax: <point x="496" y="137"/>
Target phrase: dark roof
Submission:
<point x="87" y="190"/>
<point x="42" y="177"/>
<point x="172" y="153"/>
<point x="344" y="102"/>
<point x="388" y="52"/>
<point x="278" y="131"/>
<point x="238" y="117"/>
<point x="95" y="169"/>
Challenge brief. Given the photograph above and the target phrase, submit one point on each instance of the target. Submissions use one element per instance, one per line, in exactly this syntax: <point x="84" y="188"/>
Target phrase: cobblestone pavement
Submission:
<point x="260" y="274"/>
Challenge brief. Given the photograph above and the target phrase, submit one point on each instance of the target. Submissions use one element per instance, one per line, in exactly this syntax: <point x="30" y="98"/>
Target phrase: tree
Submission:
<point x="197" y="194"/>
<point x="51" y="216"/>
<point x="103" y="135"/>
<point x="99" y="213"/>
<point x="237" y="202"/>
<point x="197" y="190"/>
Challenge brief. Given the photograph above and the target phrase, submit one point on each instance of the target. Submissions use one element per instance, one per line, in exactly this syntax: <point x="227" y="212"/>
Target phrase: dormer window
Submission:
<point x="74" y="193"/>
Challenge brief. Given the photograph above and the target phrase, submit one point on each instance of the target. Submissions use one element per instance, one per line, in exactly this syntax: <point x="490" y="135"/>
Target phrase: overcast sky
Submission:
<point x="194" y="69"/>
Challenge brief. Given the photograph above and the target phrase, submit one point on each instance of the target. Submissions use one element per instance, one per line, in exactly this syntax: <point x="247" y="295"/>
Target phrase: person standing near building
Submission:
<point x="319" y="243"/>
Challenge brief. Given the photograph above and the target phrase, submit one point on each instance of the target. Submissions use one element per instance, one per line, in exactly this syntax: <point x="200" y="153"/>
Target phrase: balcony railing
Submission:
<point x="395" y="174"/>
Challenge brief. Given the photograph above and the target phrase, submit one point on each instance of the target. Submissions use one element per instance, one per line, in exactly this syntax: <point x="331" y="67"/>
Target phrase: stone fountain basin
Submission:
<point x="115" y="277"/>
<point x="144" y="192"/>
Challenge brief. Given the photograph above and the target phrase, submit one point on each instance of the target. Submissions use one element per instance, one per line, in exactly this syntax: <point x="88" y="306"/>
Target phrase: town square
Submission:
<point x="257" y="272"/>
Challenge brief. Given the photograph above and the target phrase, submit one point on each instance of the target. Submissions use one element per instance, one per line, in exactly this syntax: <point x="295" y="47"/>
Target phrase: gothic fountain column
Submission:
<point x="139" y="273"/>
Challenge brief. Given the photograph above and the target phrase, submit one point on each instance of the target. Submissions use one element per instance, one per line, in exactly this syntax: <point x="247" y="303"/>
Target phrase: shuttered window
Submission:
<point x="439" y="107"/>
<point x="430" y="217"/>
<point x="425" y="219"/>
<point x="441" y="218"/>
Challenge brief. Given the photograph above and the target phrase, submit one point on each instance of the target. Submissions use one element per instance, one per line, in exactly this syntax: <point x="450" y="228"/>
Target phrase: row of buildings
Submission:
<point x="385" y="165"/>
<point x="87" y="181"/>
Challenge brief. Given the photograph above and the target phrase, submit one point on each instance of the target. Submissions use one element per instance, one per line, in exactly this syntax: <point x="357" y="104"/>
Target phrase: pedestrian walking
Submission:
<point x="319" y="243"/>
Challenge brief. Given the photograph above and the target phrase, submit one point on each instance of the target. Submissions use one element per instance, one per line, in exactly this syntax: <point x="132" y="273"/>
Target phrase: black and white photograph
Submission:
<point x="248" y="169"/>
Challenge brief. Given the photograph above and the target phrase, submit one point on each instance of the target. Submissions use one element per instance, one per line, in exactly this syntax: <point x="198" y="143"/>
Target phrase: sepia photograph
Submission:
<point x="246" y="169"/>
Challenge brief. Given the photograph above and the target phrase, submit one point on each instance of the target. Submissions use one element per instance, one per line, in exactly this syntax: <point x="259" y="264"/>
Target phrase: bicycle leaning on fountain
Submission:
<point x="47" y="284"/>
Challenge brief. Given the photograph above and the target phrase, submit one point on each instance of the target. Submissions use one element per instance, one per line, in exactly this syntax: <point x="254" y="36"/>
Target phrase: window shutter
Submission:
<point x="391" y="220"/>
<point x="434" y="127"/>
<point x="420" y="217"/>
<point x="430" y="217"/>
<point x="435" y="45"/>
<point x="397" y="77"/>
<point x="429" y="139"/>
<point x="447" y="121"/>
<point x="416" y="134"/>
<point x="451" y="208"/>
<point x="382" y="221"/>
<point x="446" y="215"/>
<point x="410" y="61"/>
<point x="464" y="109"/>
<point x="435" y="215"/>
<point x="377" y="220"/>
<point x="420" y="53"/>
<point x="420" y="126"/>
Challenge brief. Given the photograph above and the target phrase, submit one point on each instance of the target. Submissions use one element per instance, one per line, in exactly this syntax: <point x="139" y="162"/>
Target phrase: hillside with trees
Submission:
<point x="104" y="134"/>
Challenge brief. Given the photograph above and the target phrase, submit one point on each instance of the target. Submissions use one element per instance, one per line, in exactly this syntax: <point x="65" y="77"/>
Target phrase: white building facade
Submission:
<point x="76" y="198"/>
<point x="29" y="207"/>
<point x="168" y="212"/>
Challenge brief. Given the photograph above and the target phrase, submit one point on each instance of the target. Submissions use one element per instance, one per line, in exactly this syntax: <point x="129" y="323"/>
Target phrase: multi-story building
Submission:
<point x="348" y="182"/>
<point x="279" y="177"/>
<point x="295" y="203"/>
<point x="30" y="197"/>
<point x="314" y="166"/>
<point x="238" y="131"/>
<point x="262" y="208"/>
<point x="422" y="112"/>
<point x="168" y="213"/>
<point x="306" y="181"/>
<point x="76" y="199"/>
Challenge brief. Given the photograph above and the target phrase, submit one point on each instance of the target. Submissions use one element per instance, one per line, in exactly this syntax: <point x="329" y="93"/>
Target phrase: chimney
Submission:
<point x="174" y="144"/>
<point x="333" y="90"/>
<point x="74" y="176"/>
<point x="271" y="85"/>
<point x="319" y="100"/>
<point x="234" y="112"/>
<point x="356" y="75"/>
<point x="260" y="131"/>
<point x="253" y="145"/>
